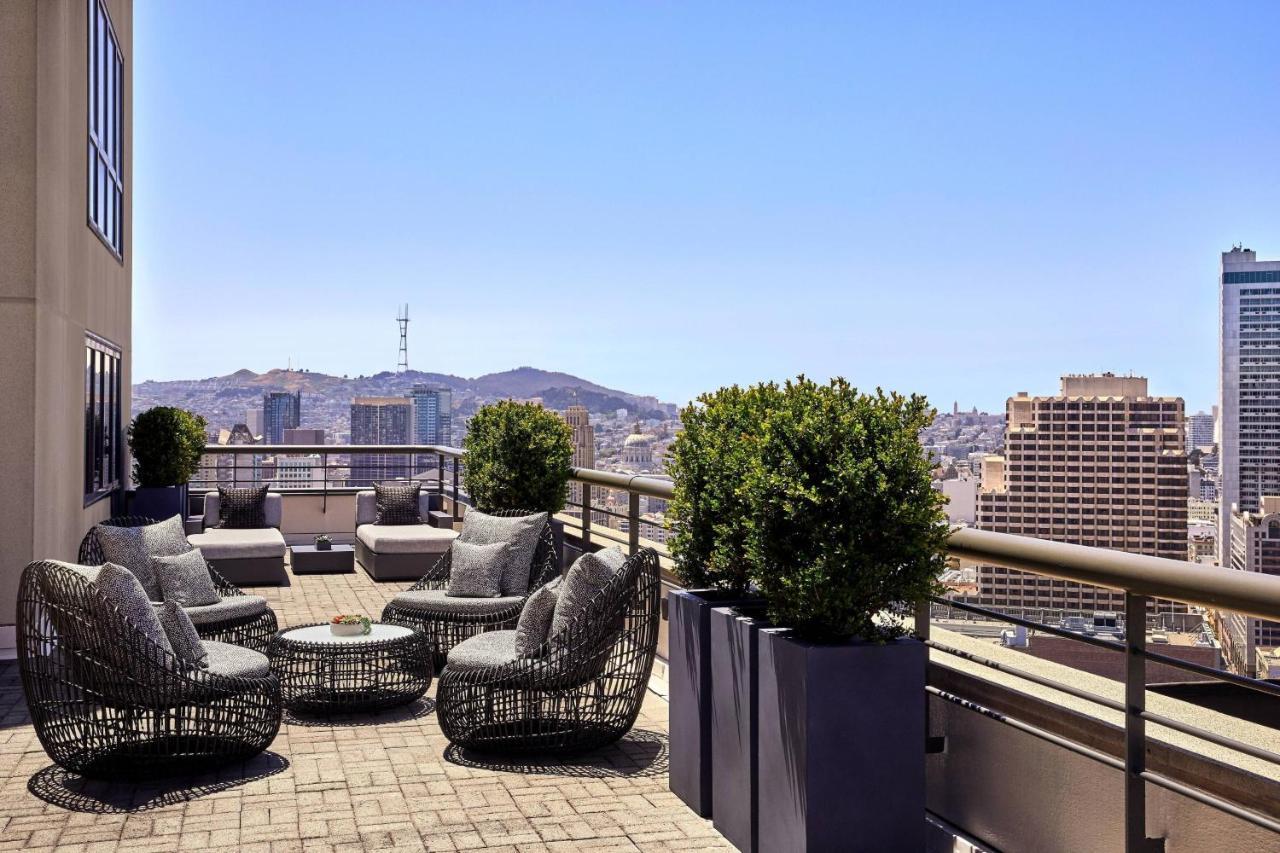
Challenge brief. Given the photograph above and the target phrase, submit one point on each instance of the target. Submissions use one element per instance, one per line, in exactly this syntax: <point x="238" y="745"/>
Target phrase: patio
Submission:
<point x="374" y="782"/>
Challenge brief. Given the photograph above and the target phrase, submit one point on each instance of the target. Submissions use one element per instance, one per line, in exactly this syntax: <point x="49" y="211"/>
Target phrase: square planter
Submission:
<point x="689" y="685"/>
<point x="841" y="733"/>
<point x="159" y="502"/>
<point x="734" y="764"/>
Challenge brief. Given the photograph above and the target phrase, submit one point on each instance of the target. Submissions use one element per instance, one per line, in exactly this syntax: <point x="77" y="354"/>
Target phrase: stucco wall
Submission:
<point x="57" y="279"/>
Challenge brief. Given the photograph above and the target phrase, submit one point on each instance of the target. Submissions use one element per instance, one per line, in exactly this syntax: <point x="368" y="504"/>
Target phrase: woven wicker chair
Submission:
<point x="254" y="632"/>
<point x="585" y="689"/>
<point x="106" y="701"/>
<point x="447" y="628"/>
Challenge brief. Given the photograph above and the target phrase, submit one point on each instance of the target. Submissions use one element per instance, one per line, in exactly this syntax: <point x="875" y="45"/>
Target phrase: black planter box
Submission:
<point x="689" y="685"/>
<point x="310" y="560"/>
<point x="734" y="693"/>
<point x="841" y="733"/>
<point x="159" y="502"/>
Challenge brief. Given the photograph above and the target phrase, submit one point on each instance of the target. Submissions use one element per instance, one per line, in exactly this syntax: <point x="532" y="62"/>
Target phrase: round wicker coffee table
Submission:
<point x="324" y="674"/>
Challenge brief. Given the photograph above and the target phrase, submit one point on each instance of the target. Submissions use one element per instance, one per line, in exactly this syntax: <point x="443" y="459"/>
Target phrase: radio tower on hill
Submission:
<point x="403" y="319"/>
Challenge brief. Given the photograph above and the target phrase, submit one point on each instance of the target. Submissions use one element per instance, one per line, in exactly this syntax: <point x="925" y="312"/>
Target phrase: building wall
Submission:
<point x="57" y="279"/>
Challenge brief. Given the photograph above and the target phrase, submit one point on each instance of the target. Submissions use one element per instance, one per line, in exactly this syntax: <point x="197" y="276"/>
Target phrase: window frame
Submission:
<point x="104" y="120"/>
<point x="104" y="418"/>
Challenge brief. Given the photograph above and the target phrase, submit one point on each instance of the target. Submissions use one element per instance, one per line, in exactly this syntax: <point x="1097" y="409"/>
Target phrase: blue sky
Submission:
<point x="668" y="197"/>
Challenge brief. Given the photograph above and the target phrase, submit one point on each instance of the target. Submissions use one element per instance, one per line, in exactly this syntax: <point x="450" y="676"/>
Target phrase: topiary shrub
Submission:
<point x="847" y="533"/>
<point x="710" y="511"/>
<point x="166" y="444"/>
<point x="518" y="457"/>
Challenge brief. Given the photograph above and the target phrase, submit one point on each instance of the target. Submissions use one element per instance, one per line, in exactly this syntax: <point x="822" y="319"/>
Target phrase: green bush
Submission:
<point x="166" y="444"/>
<point x="709" y="461"/>
<point x="846" y="531"/>
<point x="518" y="457"/>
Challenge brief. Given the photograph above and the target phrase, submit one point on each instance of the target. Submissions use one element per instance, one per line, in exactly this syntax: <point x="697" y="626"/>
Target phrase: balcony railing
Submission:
<point x="608" y="507"/>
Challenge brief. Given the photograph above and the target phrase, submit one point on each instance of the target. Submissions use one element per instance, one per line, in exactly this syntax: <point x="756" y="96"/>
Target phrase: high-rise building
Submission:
<point x="1248" y="386"/>
<point x="253" y="420"/>
<point x="1199" y="430"/>
<point x="66" y="277"/>
<point x="584" y="448"/>
<point x="380" y="420"/>
<point x="1101" y="464"/>
<point x="432" y="415"/>
<point x="1254" y="547"/>
<point x="281" y="410"/>
<point x="303" y="435"/>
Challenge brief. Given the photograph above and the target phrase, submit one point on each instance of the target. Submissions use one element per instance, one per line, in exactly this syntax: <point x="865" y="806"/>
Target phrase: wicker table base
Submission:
<point x="323" y="674"/>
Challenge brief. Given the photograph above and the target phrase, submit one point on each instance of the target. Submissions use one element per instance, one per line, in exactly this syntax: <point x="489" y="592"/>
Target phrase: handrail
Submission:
<point x="1210" y="586"/>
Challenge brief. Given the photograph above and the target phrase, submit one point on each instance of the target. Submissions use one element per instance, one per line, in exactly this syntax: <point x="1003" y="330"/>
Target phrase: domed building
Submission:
<point x="637" y="451"/>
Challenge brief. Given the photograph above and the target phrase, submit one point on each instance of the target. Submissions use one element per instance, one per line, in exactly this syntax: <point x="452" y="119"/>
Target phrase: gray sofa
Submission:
<point x="398" y="552"/>
<point x="245" y="557"/>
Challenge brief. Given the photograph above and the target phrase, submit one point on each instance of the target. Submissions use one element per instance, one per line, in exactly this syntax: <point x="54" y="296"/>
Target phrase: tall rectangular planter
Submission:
<point x="842" y="737"/>
<point x="734" y="764"/>
<point x="689" y="684"/>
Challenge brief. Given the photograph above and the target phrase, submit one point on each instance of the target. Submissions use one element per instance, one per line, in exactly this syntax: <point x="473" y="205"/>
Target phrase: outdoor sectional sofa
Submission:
<point x="398" y="551"/>
<point x="247" y="557"/>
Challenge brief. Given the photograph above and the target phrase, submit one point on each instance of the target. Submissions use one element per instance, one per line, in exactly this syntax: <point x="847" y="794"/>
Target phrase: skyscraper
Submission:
<point x="584" y="448"/>
<point x="1254" y="547"/>
<point x="432" y="415"/>
<point x="1100" y="464"/>
<point x="380" y="420"/>
<point x="1199" y="430"/>
<point x="1248" y="386"/>
<point x="280" y="411"/>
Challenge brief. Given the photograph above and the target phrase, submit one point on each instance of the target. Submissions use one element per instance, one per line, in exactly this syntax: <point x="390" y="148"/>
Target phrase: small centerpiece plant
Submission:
<point x="350" y="625"/>
<point x="324" y="543"/>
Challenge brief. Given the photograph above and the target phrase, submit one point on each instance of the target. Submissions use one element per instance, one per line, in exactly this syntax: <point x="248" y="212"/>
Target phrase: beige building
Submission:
<point x="1254" y="547"/>
<point x="66" y="259"/>
<point x="584" y="450"/>
<point x="1100" y="464"/>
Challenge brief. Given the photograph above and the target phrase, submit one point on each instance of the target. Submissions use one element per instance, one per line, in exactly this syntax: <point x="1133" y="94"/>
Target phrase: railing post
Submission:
<point x="586" y="516"/>
<point x="456" y="515"/>
<point x="1135" y="735"/>
<point x="633" y="521"/>
<point x="440" y="474"/>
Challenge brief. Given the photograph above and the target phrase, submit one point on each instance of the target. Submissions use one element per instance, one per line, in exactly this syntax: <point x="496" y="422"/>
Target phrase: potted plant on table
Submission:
<point x="846" y="535"/>
<point x="166" y="444"/>
<point x="323" y="542"/>
<point x="708" y="461"/>
<point x="518" y="458"/>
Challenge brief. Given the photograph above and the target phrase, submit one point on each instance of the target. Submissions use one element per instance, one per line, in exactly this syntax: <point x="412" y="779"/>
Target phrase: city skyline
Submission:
<point x="761" y="200"/>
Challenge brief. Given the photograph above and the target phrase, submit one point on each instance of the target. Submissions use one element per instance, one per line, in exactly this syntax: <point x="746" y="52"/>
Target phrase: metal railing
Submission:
<point x="608" y="508"/>
<point x="1141" y="578"/>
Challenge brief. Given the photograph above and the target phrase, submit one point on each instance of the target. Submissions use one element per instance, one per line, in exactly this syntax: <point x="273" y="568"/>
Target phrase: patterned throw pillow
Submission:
<point x="476" y="570"/>
<point x="522" y="531"/>
<point x="122" y="588"/>
<point x="397" y="503"/>
<point x="535" y="619"/>
<point x="133" y="548"/>
<point x="185" y="579"/>
<point x="589" y="574"/>
<point x="242" y="509"/>
<point x="187" y="646"/>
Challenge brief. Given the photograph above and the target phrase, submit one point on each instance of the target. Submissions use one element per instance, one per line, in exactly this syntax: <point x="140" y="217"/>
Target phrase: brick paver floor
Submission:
<point x="377" y="782"/>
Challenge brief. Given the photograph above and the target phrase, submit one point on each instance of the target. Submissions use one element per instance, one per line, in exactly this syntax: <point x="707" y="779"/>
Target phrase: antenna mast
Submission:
<point x="402" y="317"/>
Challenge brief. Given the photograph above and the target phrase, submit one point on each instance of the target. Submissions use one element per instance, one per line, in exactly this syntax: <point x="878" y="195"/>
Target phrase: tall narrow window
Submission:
<point x="103" y="453"/>
<point x="106" y="138"/>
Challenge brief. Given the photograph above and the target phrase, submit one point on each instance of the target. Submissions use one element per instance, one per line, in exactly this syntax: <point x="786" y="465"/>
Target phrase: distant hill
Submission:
<point x="326" y="399"/>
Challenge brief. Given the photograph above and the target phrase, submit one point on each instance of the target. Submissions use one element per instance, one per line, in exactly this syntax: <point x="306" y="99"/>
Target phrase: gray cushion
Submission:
<point x="535" y="619"/>
<point x="476" y="570"/>
<point x="405" y="538"/>
<point x="133" y="548"/>
<point x="367" y="506"/>
<point x="586" y="577"/>
<point x="273" y="509"/>
<point x="522" y="531"/>
<point x="182" y="635"/>
<point x="231" y="607"/>
<point x="492" y="648"/>
<point x="232" y="544"/>
<point x="185" y="579"/>
<point x="122" y="588"/>
<point x="436" y="600"/>
<point x="236" y="661"/>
